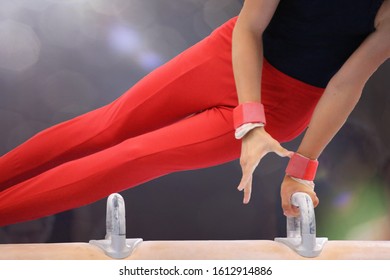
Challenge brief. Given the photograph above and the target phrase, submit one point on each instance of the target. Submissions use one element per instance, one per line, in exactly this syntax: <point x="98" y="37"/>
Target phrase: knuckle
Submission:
<point x="243" y="162"/>
<point x="286" y="205"/>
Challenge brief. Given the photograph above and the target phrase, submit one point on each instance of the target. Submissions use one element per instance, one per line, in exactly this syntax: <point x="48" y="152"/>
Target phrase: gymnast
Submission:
<point x="278" y="69"/>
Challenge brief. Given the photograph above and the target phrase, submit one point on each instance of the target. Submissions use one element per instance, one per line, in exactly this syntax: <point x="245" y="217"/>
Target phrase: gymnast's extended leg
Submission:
<point x="197" y="79"/>
<point x="202" y="140"/>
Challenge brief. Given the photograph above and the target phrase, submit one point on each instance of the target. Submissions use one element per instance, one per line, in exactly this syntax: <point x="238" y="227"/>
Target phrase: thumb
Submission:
<point x="282" y="152"/>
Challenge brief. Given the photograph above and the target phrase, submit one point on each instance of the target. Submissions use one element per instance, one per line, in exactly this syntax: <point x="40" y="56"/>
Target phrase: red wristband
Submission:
<point x="301" y="167"/>
<point x="249" y="112"/>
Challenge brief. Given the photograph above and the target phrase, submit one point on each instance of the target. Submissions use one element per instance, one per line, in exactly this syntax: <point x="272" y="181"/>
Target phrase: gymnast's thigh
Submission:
<point x="202" y="140"/>
<point x="197" y="79"/>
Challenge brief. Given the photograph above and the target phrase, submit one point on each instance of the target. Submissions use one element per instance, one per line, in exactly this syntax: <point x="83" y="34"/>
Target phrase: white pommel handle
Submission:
<point x="301" y="230"/>
<point x="115" y="243"/>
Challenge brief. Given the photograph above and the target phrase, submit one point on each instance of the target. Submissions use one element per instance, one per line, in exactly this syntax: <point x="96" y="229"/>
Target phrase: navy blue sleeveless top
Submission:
<point x="311" y="39"/>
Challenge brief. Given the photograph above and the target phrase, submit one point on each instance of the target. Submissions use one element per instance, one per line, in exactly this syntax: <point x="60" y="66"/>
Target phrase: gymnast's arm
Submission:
<point x="247" y="47"/>
<point x="340" y="97"/>
<point x="247" y="56"/>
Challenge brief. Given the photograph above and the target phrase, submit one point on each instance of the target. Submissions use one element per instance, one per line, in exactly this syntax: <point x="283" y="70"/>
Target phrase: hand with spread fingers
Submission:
<point x="255" y="145"/>
<point x="338" y="97"/>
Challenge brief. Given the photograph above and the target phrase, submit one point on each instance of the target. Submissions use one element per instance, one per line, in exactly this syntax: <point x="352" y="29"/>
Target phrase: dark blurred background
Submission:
<point x="62" y="58"/>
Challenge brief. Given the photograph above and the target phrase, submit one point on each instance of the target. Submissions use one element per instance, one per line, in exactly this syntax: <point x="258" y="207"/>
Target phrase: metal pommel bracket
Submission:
<point x="301" y="231"/>
<point x="115" y="244"/>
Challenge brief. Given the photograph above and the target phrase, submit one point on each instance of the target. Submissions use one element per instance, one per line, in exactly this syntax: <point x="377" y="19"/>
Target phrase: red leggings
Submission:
<point x="179" y="117"/>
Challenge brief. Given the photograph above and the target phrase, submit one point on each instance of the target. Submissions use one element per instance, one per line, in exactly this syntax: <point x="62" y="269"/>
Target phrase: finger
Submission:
<point x="315" y="200"/>
<point x="245" y="180"/>
<point x="282" y="152"/>
<point x="313" y="197"/>
<point x="247" y="173"/>
<point x="247" y="193"/>
<point x="287" y="209"/>
<point x="286" y="203"/>
<point x="291" y="211"/>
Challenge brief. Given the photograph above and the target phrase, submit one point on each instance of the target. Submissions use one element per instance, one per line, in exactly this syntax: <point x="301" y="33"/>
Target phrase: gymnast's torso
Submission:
<point x="311" y="39"/>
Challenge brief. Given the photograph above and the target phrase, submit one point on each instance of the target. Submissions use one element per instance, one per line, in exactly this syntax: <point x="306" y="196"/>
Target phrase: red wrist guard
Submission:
<point x="301" y="167"/>
<point x="249" y="112"/>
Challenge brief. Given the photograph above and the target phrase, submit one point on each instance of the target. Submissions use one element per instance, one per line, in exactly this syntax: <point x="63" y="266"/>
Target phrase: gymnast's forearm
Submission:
<point x="343" y="93"/>
<point x="247" y="60"/>
<point x="247" y="48"/>
<point x="329" y="116"/>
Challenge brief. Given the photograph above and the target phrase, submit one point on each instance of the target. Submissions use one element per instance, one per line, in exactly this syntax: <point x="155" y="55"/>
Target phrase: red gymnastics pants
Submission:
<point x="179" y="117"/>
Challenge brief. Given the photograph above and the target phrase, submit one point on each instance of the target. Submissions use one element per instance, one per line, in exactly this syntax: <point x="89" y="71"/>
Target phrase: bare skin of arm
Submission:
<point x="339" y="99"/>
<point x="247" y="55"/>
<point x="337" y="102"/>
